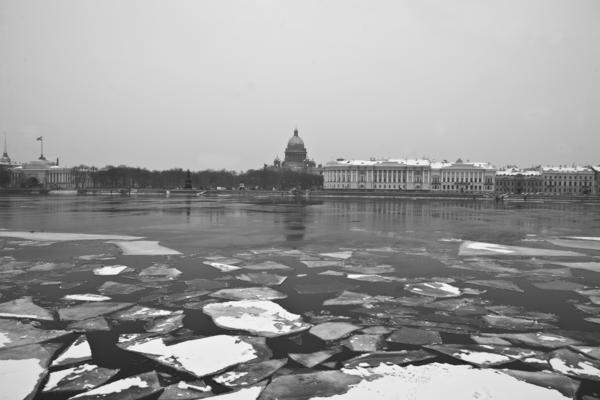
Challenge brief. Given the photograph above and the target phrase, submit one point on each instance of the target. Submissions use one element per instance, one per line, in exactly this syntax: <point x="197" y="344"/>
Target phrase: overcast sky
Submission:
<point x="222" y="84"/>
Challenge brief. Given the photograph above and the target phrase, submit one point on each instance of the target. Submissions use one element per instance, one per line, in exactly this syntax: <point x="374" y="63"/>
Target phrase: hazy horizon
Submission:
<point x="223" y="84"/>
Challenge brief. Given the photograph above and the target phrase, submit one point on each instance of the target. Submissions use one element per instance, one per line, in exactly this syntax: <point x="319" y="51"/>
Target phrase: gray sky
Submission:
<point x="222" y="84"/>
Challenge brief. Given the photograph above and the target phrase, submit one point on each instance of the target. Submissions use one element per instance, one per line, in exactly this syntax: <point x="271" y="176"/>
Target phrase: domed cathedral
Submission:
<point x="295" y="152"/>
<point x="296" y="157"/>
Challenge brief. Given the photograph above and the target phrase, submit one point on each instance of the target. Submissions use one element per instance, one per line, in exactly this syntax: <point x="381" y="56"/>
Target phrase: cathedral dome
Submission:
<point x="295" y="143"/>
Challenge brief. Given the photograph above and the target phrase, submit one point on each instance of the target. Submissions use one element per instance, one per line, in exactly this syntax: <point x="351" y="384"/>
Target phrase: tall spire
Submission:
<point x="296" y="132"/>
<point x="5" y="149"/>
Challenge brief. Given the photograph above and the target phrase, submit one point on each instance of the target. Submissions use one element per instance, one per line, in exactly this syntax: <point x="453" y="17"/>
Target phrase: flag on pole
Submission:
<point x="40" y="138"/>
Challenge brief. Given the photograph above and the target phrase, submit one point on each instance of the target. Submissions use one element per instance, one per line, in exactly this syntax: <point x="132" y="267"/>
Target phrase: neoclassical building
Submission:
<point x="463" y="177"/>
<point x="386" y="174"/>
<point x="563" y="180"/>
<point x="409" y="174"/>
<point x="517" y="181"/>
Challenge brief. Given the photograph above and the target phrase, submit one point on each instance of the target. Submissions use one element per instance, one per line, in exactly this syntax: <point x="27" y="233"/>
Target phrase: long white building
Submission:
<point x="387" y="174"/>
<point x="409" y="174"/>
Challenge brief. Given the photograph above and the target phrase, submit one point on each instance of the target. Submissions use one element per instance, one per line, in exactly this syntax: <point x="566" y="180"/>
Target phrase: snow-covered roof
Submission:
<point x="516" y="171"/>
<point x="419" y="162"/>
<point x="565" y="169"/>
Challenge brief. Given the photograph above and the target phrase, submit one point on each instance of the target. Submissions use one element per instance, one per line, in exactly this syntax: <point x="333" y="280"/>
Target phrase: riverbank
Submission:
<point x="315" y="194"/>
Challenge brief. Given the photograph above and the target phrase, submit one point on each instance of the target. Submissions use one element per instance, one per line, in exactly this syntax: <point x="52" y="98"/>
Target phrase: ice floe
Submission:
<point x="322" y="263"/>
<point x="112" y="270"/>
<point x="414" y="336"/>
<point x="186" y="391"/>
<point x="402" y="357"/>
<point x="353" y="298"/>
<point x="222" y="266"/>
<point x="266" y="266"/>
<point x="250" y="293"/>
<point x="95" y="324"/>
<point x="261" y="317"/>
<point x="117" y="288"/>
<point x="78" y="379"/>
<point x="310" y="360"/>
<point x="344" y="255"/>
<point x="14" y="333"/>
<point x="23" y="368"/>
<point x="262" y="278"/>
<point x="593" y="266"/>
<point x="85" y="297"/>
<point x="133" y="387"/>
<point x="61" y="237"/>
<point x="433" y="289"/>
<point x="161" y="270"/>
<point x="89" y="310"/>
<point x="142" y="313"/>
<point x="24" y="307"/>
<point x="469" y="248"/>
<point x="249" y="374"/>
<point x="311" y="385"/>
<point x="437" y="381"/>
<point x="364" y="343"/>
<point x="201" y="357"/>
<point x="333" y="330"/>
<point x="144" y="248"/>
<point x="77" y="352"/>
<point x="575" y="364"/>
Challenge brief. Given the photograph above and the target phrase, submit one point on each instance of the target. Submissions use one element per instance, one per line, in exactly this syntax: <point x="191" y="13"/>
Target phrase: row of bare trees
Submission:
<point x="134" y="177"/>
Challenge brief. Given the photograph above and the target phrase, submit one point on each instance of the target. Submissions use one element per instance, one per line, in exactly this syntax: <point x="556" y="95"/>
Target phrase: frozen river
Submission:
<point x="438" y="288"/>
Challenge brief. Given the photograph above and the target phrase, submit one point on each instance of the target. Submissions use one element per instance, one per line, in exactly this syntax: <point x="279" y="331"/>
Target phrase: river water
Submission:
<point x="380" y="248"/>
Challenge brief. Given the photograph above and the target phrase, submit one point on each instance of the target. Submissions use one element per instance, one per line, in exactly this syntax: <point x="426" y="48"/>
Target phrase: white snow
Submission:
<point x="19" y="377"/>
<point x="110" y="270"/>
<point x="230" y="376"/>
<point x="582" y="368"/>
<point x="497" y="248"/>
<point x="59" y="236"/>
<point x="222" y="267"/>
<point x="481" y="357"/>
<point x="144" y="248"/>
<point x="115" y="387"/>
<point x="4" y="339"/>
<point x="344" y="255"/>
<point x="57" y="376"/>
<point x="439" y="381"/>
<point x="584" y="237"/>
<point x="86" y="297"/>
<point x="261" y="316"/>
<point x="78" y="350"/>
<point x="201" y="357"/>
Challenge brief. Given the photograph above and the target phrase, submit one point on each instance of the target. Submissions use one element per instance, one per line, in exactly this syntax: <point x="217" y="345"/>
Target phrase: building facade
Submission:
<point x="517" y="181"/>
<point x="409" y="174"/>
<point x="564" y="180"/>
<point x="387" y="174"/>
<point x="463" y="177"/>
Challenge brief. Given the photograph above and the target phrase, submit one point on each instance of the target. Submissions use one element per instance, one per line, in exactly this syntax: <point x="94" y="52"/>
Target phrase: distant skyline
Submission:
<point x="223" y="83"/>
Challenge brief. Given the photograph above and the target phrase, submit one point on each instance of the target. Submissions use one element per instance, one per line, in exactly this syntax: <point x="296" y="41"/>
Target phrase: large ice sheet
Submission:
<point x="469" y="248"/>
<point x="261" y="317"/>
<point x="63" y="237"/>
<point x="201" y="357"/>
<point x="144" y="248"/>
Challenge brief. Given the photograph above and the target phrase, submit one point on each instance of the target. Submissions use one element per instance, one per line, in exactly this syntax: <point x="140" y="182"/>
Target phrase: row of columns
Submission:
<point x="378" y="175"/>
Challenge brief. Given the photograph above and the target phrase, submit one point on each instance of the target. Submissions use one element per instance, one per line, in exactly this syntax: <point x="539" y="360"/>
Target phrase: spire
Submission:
<point x="5" y="150"/>
<point x="296" y="132"/>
